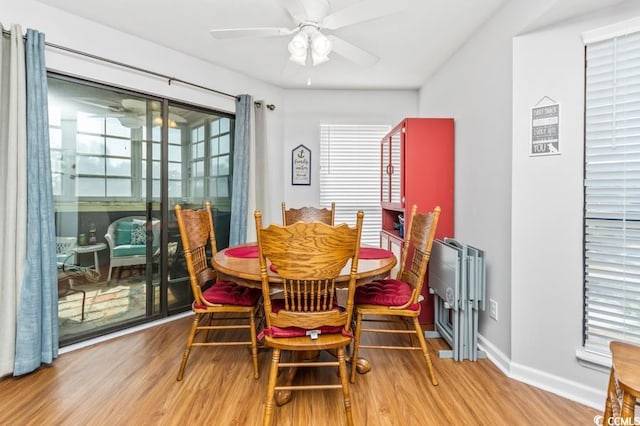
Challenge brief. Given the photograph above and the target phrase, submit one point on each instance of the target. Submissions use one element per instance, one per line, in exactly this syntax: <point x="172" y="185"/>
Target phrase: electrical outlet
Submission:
<point x="493" y="309"/>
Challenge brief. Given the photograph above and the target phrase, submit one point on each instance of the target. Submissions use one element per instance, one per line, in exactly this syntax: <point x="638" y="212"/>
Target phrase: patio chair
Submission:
<point x="127" y="241"/>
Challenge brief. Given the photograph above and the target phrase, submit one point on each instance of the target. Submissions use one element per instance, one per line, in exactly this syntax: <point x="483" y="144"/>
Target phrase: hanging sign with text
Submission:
<point x="301" y="165"/>
<point x="545" y="122"/>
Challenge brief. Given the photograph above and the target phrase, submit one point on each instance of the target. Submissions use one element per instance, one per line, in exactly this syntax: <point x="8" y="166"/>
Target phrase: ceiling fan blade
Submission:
<point x="315" y="10"/>
<point x="251" y="32"/>
<point x="365" y="10"/>
<point x="97" y="104"/>
<point x="295" y="9"/>
<point x="177" y="118"/>
<point x="131" y="122"/>
<point x="352" y="53"/>
<point x="139" y="105"/>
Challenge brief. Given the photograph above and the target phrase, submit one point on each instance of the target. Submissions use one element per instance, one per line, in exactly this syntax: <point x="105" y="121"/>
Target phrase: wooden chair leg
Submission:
<point x="271" y="388"/>
<point x="628" y="407"/>
<point x="425" y="351"/>
<point x="187" y="351"/>
<point x="342" y="366"/>
<point x="84" y="298"/>
<point x="356" y="346"/>
<point x="254" y="344"/>
<point x="611" y="395"/>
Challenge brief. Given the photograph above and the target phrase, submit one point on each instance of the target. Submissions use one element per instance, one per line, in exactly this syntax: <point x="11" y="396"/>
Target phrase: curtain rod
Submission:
<point x="169" y="79"/>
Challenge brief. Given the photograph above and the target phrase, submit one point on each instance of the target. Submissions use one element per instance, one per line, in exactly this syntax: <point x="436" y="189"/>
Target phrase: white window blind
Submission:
<point x="350" y="174"/>
<point x="612" y="193"/>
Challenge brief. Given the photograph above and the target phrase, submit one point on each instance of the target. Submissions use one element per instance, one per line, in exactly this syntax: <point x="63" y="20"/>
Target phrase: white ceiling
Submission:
<point x="411" y="44"/>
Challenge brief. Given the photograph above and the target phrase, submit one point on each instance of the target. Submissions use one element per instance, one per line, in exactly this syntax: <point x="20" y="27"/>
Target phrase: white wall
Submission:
<point x="526" y="212"/>
<point x="305" y="110"/>
<point x="67" y="30"/>
<point x="474" y="87"/>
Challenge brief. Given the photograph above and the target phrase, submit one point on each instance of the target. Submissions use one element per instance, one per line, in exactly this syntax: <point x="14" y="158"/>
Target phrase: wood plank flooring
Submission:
<point x="131" y="380"/>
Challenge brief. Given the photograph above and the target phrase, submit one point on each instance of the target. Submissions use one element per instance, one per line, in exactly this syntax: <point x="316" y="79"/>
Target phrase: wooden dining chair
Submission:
<point x="224" y="299"/>
<point x="308" y="214"/>
<point x="624" y="384"/>
<point x="308" y="256"/>
<point x="399" y="299"/>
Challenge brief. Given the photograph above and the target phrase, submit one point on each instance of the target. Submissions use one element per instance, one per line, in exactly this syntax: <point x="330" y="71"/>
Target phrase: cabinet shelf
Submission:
<point x="392" y="206"/>
<point x="391" y="221"/>
<point x="392" y="233"/>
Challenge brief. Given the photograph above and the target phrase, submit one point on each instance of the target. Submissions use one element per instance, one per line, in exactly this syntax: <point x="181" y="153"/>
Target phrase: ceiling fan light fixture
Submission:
<point x="173" y="124"/>
<point x="320" y="48"/>
<point x="320" y="44"/>
<point x="298" y="49"/>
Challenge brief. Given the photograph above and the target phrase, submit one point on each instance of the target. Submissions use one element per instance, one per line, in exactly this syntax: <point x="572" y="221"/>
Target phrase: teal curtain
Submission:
<point x="37" y="322"/>
<point x="241" y="168"/>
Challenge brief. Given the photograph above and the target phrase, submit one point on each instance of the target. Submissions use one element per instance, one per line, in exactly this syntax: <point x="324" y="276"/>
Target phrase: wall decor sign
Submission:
<point x="301" y="165"/>
<point x="545" y="126"/>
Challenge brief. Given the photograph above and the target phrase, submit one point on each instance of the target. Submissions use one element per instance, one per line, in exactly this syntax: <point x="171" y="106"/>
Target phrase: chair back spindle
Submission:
<point x="415" y="257"/>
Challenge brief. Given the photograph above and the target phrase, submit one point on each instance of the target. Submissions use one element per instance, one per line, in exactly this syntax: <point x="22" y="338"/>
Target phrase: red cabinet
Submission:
<point x="417" y="167"/>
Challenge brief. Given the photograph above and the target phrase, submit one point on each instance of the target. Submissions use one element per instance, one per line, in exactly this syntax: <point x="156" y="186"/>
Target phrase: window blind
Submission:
<point x="612" y="193"/>
<point x="350" y="174"/>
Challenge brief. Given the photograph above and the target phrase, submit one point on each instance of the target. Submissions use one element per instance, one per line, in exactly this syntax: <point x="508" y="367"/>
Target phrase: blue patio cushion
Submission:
<point x="123" y="233"/>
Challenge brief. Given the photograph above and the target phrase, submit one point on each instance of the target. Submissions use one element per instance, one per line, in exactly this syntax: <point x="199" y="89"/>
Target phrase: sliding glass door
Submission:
<point x="198" y="169"/>
<point x="117" y="158"/>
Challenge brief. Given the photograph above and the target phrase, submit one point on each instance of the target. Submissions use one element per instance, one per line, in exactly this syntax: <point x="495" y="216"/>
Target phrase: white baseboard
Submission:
<point x="578" y="392"/>
<point x="569" y="389"/>
<point x="498" y="358"/>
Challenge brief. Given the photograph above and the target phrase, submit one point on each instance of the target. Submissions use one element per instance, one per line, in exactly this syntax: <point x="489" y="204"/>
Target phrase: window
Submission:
<point x="350" y="174"/>
<point x="612" y="193"/>
<point x="210" y="159"/>
<point x="99" y="162"/>
<point x="220" y="158"/>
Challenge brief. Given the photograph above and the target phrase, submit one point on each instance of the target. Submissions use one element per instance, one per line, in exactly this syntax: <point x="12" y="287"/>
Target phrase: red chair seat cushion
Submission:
<point x="278" y="304"/>
<point x="230" y="293"/>
<point x="387" y="292"/>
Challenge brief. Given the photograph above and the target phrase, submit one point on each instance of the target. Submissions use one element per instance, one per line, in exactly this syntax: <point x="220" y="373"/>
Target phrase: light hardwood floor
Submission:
<point x="132" y="380"/>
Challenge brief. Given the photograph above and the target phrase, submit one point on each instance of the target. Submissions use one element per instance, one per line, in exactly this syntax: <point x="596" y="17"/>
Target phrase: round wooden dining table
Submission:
<point x="240" y="264"/>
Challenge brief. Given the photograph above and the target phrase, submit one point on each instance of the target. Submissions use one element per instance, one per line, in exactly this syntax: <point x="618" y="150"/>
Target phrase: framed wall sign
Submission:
<point x="545" y="123"/>
<point x="301" y="165"/>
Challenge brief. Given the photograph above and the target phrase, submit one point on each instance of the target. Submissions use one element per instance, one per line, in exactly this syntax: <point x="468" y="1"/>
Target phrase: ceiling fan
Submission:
<point x="131" y="112"/>
<point x="311" y="18"/>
